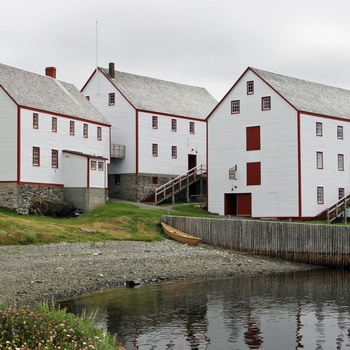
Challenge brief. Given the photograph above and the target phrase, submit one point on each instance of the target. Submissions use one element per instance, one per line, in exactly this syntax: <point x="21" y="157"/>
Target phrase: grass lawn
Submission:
<point x="114" y="221"/>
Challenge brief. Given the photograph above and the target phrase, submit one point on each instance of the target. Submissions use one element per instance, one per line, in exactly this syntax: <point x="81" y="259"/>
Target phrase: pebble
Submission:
<point x="41" y="274"/>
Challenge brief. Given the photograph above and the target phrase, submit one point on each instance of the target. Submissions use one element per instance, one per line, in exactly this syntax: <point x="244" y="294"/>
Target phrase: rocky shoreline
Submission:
<point x="32" y="274"/>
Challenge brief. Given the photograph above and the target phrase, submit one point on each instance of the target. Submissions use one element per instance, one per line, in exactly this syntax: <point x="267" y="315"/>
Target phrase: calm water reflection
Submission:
<point x="295" y="311"/>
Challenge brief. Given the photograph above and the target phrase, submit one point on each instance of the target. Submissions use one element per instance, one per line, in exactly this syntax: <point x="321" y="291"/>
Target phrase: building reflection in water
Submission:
<point x="307" y="310"/>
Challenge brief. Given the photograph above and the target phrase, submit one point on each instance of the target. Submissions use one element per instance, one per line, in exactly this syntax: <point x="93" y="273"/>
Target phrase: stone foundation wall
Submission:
<point x="18" y="197"/>
<point x="135" y="188"/>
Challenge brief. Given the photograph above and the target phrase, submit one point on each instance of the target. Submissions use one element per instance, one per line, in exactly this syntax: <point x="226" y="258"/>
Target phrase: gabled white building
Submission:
<point x="158" y="129"/>
<point x="54" y="143"/>
<point x="278" y="147"/>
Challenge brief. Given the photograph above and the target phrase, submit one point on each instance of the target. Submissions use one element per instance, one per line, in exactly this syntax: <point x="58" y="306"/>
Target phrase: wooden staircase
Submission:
<point x="180" y="183"/>
<point x="335" y="211"/>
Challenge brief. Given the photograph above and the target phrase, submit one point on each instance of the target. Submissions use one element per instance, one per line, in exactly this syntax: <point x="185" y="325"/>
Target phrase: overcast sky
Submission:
<point x="206" y="43"/>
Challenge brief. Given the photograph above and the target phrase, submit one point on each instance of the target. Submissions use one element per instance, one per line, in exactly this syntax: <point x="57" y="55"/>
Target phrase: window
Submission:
<point x="318" y="129"/>
<point x="155" y="180"/>
<point x="54" y="158"/>
<point x="88" y="98"/>
<point x="340" y="132"/>
<point x="250" y="87"/>
<point x="100" y="166"/>
<point x="174" y="151"/>
<point x="155" y="122"/>
<point x="93" y="165"/>
<point x="154" y="150"/>
<point x="266" y="103"/>
<point x="35" y="121"/>
<point x="253" y="173"/>
<point x="340" y="162"/>
<point x="99" y="133"/>
<point x="253" y="138"/>
<point x="173" y="125"/>
<point x="85" y="130"/>
<point x="235" y="107"/>
<point x="341" y="193"/>
<point x="71" y="127"/>
<point x="320" y="199"/>
<point x="36" y="156"/>
<point x="191" y="127"/>
<point x="319" y="160"/>
<point x="111" y="99"/>
<point x="54" y="124"/>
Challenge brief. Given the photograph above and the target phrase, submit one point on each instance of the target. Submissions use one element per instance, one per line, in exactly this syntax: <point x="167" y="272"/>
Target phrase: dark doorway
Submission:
<point x="192" y="161"/>
<point x="239" y="204"/>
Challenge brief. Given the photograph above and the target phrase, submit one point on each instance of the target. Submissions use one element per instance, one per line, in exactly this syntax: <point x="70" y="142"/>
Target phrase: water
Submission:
<point x="293" y="311"/>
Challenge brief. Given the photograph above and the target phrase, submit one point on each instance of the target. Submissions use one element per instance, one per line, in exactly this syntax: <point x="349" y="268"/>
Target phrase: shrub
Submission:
<point x="48" y="328"/>
<point x="48" y="207"/>
<point x="28" y="237"/>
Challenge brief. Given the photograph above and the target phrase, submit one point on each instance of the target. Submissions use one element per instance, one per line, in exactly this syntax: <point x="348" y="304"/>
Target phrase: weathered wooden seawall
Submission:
<point x="314" y="244"/>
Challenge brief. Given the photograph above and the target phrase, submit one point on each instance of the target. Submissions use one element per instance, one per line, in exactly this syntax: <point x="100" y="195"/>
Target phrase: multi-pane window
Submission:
<point x="111" y="99"/>
<point x="319" y="129"/>
<point x="54" y="124"/>
<point x="99" y="133"/>
<point x="155" y="122"/>
<point x="250" y="87"/>
<point x="85" y="130"/>
<point x="341" y="162"/>
<point x="235" y="107"/>
<point x="320" y="199"/>
<point x="174" y="151"/>
<point x="93" y="165"/>
<point x="173" y="124"/>
<point x="266" y="103"/>
<point x="35" y="121"/>
<point x="36" y="156"/>
<point x="341" y="193"/>
<point x="192" y="128"/>
<point x="54" y="158"/>
<point x="340" y="132"/>
<point x="319" y="160"/>
<point x="100" y="166"/>
<point x="155" y="150"/>
<point x="71" y="127"/>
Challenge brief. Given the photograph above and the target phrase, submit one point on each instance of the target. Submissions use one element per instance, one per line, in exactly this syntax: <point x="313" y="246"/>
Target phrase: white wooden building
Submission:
<point x="278" y="147"/>
<point x="158" y="129"/>
<point x="54" y="143"/>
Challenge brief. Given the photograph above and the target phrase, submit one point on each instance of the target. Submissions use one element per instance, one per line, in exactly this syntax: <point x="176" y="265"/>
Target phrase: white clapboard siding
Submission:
<point x="8" y="136"/>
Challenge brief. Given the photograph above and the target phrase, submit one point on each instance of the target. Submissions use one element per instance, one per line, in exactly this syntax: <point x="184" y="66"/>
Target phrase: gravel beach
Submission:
<point x="32" y="274"/>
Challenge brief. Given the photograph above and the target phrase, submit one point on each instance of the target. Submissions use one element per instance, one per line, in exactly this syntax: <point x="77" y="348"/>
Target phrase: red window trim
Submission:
<point x="85" y="130"/>
<point x="341" y="164"/>
<point x="321" y="201"/>
<point x="341" y="189"/>
<point x="319" y="124"/>
<point x="192" y="129"/>
<point x="252" y="83"/>
<point x="35" y="121"/>
<point x="111" y="99"/>
<point x="174" y="152"/>
<point x="54" y="164"/>
<point x="38" y="156"/>
<point x="238" y="102"/>
<point x="154" y="149"/>
<point x="173" y="125"/>
<point x="54" y="124"/>
<point x="339" y="127"/>
<point x="154" y="122"/>
<point x="99" y="133"/>
<point x="71" y="127"/>
<point x="93" y="165"/>
<point x="100" y="166"/>
<point x="319" y="166"/>
<point x="262" y="103"/>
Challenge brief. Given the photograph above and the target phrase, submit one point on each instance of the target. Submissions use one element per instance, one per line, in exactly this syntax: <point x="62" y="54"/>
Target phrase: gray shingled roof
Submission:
<point x="162" y="96"/>
<point x="48" y="94"/>
<point x="310" y="97"/>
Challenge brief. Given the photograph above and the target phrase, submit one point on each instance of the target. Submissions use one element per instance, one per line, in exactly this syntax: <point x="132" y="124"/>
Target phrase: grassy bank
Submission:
<point x="114" y="221"/>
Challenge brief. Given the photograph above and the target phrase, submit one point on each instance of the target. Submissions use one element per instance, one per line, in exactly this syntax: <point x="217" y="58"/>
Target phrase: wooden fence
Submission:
<point x="327" y="245"/>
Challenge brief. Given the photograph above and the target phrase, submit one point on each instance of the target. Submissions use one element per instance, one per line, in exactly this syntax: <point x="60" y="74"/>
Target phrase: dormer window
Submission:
<point x="250" y="87"/>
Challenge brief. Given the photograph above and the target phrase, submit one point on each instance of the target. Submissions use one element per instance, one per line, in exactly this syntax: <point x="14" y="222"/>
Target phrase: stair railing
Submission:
<point x="179" y="183"/>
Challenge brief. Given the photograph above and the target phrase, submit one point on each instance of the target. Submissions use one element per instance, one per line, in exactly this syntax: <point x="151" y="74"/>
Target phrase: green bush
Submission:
<point x="45" y="327"/>
<point x="48" y="207"/>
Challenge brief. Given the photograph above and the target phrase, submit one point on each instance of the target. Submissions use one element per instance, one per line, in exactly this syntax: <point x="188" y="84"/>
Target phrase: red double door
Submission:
<point x="238" y="204"/>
